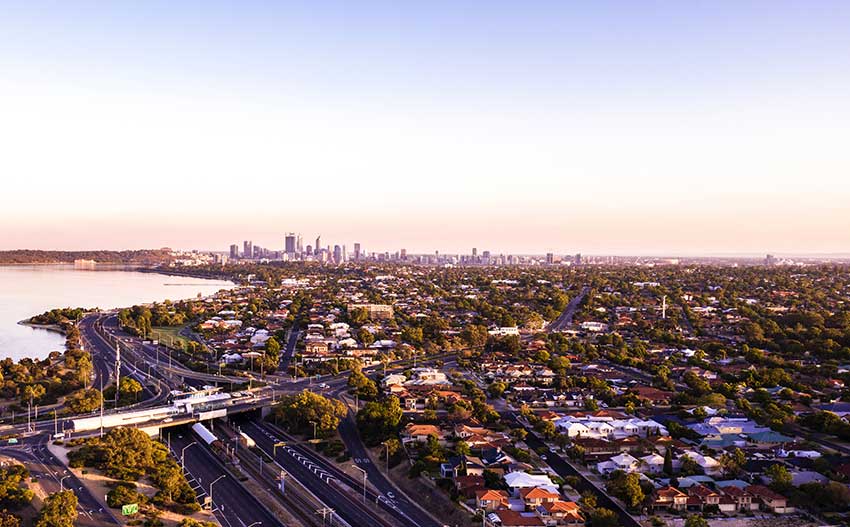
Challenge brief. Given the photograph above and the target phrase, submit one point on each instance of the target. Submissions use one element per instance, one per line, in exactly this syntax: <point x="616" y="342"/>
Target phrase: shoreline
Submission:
<point x="55" y="328"/>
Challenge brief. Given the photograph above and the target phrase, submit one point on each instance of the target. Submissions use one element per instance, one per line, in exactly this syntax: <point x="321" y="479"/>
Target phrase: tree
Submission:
<point x="602" y="517"/>
<point x="780" y="478"/>
<point x="668" y="462"/>
<point x="696" y="520"/>
<point x="474" y="336"/>
<point x="32" y="393"/>
<point x="84" y="401"/>
<point x="378" y="420"/>
<point x="271" y="359"/>
<point x="59" y="510"/>
<point x="9" y="520"/>
<point x="363" y="386"/>
<point x="301" y="411"/>
<point x="131" y="387"/>
<point x="496" y="389"/>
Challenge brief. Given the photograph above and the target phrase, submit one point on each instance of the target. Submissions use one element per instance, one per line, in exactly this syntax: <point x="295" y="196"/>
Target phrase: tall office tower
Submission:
<point x="234" y="251"/>
<point x="769" y="260"/>
<point x="356" y="251"/>
<point x="309" y="250"/>
<point x="337" y="254"/>
<point x="474" y="252"/>
<point x="485" y="255"/>
<point x="318" y="244"/>
<point x="247" y="249"/>
<point x="299" y="246"/>
<point x="344" y="254"/>
<point x="404" y="254"/>
<point x="289" y="243"/>
<point x="577" y="259"/>
<point x="258" y="251"/>
<point x="550" y="258"/>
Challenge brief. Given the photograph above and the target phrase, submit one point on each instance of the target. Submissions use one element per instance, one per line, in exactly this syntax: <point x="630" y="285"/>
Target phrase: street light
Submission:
<point x="255" y="523"/>
<point x="212" y="504"/>
<point x="183" y="454"/>
<point x="387" y="445"/>
<point x="62" y="483"/>
<point x="364" y="481"/>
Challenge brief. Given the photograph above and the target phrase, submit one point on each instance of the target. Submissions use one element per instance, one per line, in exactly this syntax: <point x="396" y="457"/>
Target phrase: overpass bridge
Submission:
<point x="181" y="411"/>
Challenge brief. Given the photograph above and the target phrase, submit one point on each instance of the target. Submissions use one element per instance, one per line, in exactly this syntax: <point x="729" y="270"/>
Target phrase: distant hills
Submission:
<point x="135" y="257"/>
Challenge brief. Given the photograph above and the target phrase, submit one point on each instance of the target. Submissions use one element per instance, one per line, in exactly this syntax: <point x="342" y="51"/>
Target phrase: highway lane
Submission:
<point x="53" y="475"/>
<point x="387" y="496"/>
<point x="319" y="481"/>
<point x="234" y="505"/>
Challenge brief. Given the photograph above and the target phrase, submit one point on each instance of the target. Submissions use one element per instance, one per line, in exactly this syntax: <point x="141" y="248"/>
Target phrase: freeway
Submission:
<point x="323" y="483"/>
<point x="233" y="505"/>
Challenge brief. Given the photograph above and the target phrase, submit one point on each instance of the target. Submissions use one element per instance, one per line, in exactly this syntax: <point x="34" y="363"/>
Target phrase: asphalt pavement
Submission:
<point x="233" y="504"/>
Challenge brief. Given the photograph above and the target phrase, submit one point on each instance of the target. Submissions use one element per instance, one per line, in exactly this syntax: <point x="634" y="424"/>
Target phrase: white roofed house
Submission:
<point x="623" y="462"/>
<point x="652" y="464"/>
<point x="572" y="428"/>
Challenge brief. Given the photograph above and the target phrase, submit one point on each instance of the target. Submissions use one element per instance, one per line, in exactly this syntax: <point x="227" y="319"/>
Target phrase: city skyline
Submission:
<point x="610" y="129"/>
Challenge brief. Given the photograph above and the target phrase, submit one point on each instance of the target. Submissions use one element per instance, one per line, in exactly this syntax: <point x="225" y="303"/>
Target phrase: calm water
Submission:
<point x="30" y="290"/>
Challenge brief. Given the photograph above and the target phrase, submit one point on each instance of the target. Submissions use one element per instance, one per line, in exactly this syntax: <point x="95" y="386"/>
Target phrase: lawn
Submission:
<point x="165" y="334"/>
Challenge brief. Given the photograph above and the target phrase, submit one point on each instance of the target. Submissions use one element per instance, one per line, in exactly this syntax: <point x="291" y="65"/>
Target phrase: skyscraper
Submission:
<point x="247" y="249"/>
<point x="234" y="251"/>
<point x="344" y="254"/>
<point x="309" y="250"/>
<point x="299" y="247"/>
<point x="550" y="258"/>
<point x="356" y="251"/>
<point x="337" y="254"/>
<point x="289" y="243"/>
<point x="474" y="252"/>
<point x="318" y="246"/>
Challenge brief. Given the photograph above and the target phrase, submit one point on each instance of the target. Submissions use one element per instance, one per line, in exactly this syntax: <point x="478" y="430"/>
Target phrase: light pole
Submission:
<point x="255" y="523"/>
<point x="212" y="504"/>
<point x="387" y="446"/>
<point x="183" y="454"/>
<point x="364" y="481"/>
<point x="62" y="483"/>
<point x="314" y="428"/>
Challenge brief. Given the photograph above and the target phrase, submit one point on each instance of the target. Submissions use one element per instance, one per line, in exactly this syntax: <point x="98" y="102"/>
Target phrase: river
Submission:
<point x="27" y="290"/>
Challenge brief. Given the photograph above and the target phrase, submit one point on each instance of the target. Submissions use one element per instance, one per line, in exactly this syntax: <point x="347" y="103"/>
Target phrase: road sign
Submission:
<point x="130" y="508"/>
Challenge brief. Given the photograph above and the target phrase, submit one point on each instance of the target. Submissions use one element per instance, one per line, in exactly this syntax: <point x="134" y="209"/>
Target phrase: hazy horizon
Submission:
<point x="611" y="128"/>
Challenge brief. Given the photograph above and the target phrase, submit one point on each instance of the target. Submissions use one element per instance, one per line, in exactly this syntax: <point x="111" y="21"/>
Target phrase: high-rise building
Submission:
<point x="474" y="252"/>
<point x="337" y="254"/>
<point x="769" y="260"/>
<point x="299" y="247"/>
<point x="309" y="250"/>
<point x="234" y="251"/>
<point x="577" y="259"/>
<point x="404" y="254"/>
<point x="356" y="251"/>
<point x="344" y="254"/>
<point x="289" y="243"/>
<point x="550" y="258"/>
<point x="247" y="249"/>
<point x="318" y="246"/>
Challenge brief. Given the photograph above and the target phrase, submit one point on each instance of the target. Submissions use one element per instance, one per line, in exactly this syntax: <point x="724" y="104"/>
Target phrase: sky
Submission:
<point x="669" y="128"/>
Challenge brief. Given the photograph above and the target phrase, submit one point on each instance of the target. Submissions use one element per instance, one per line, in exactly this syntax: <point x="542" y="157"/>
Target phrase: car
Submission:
<point x="543" y="457"/>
